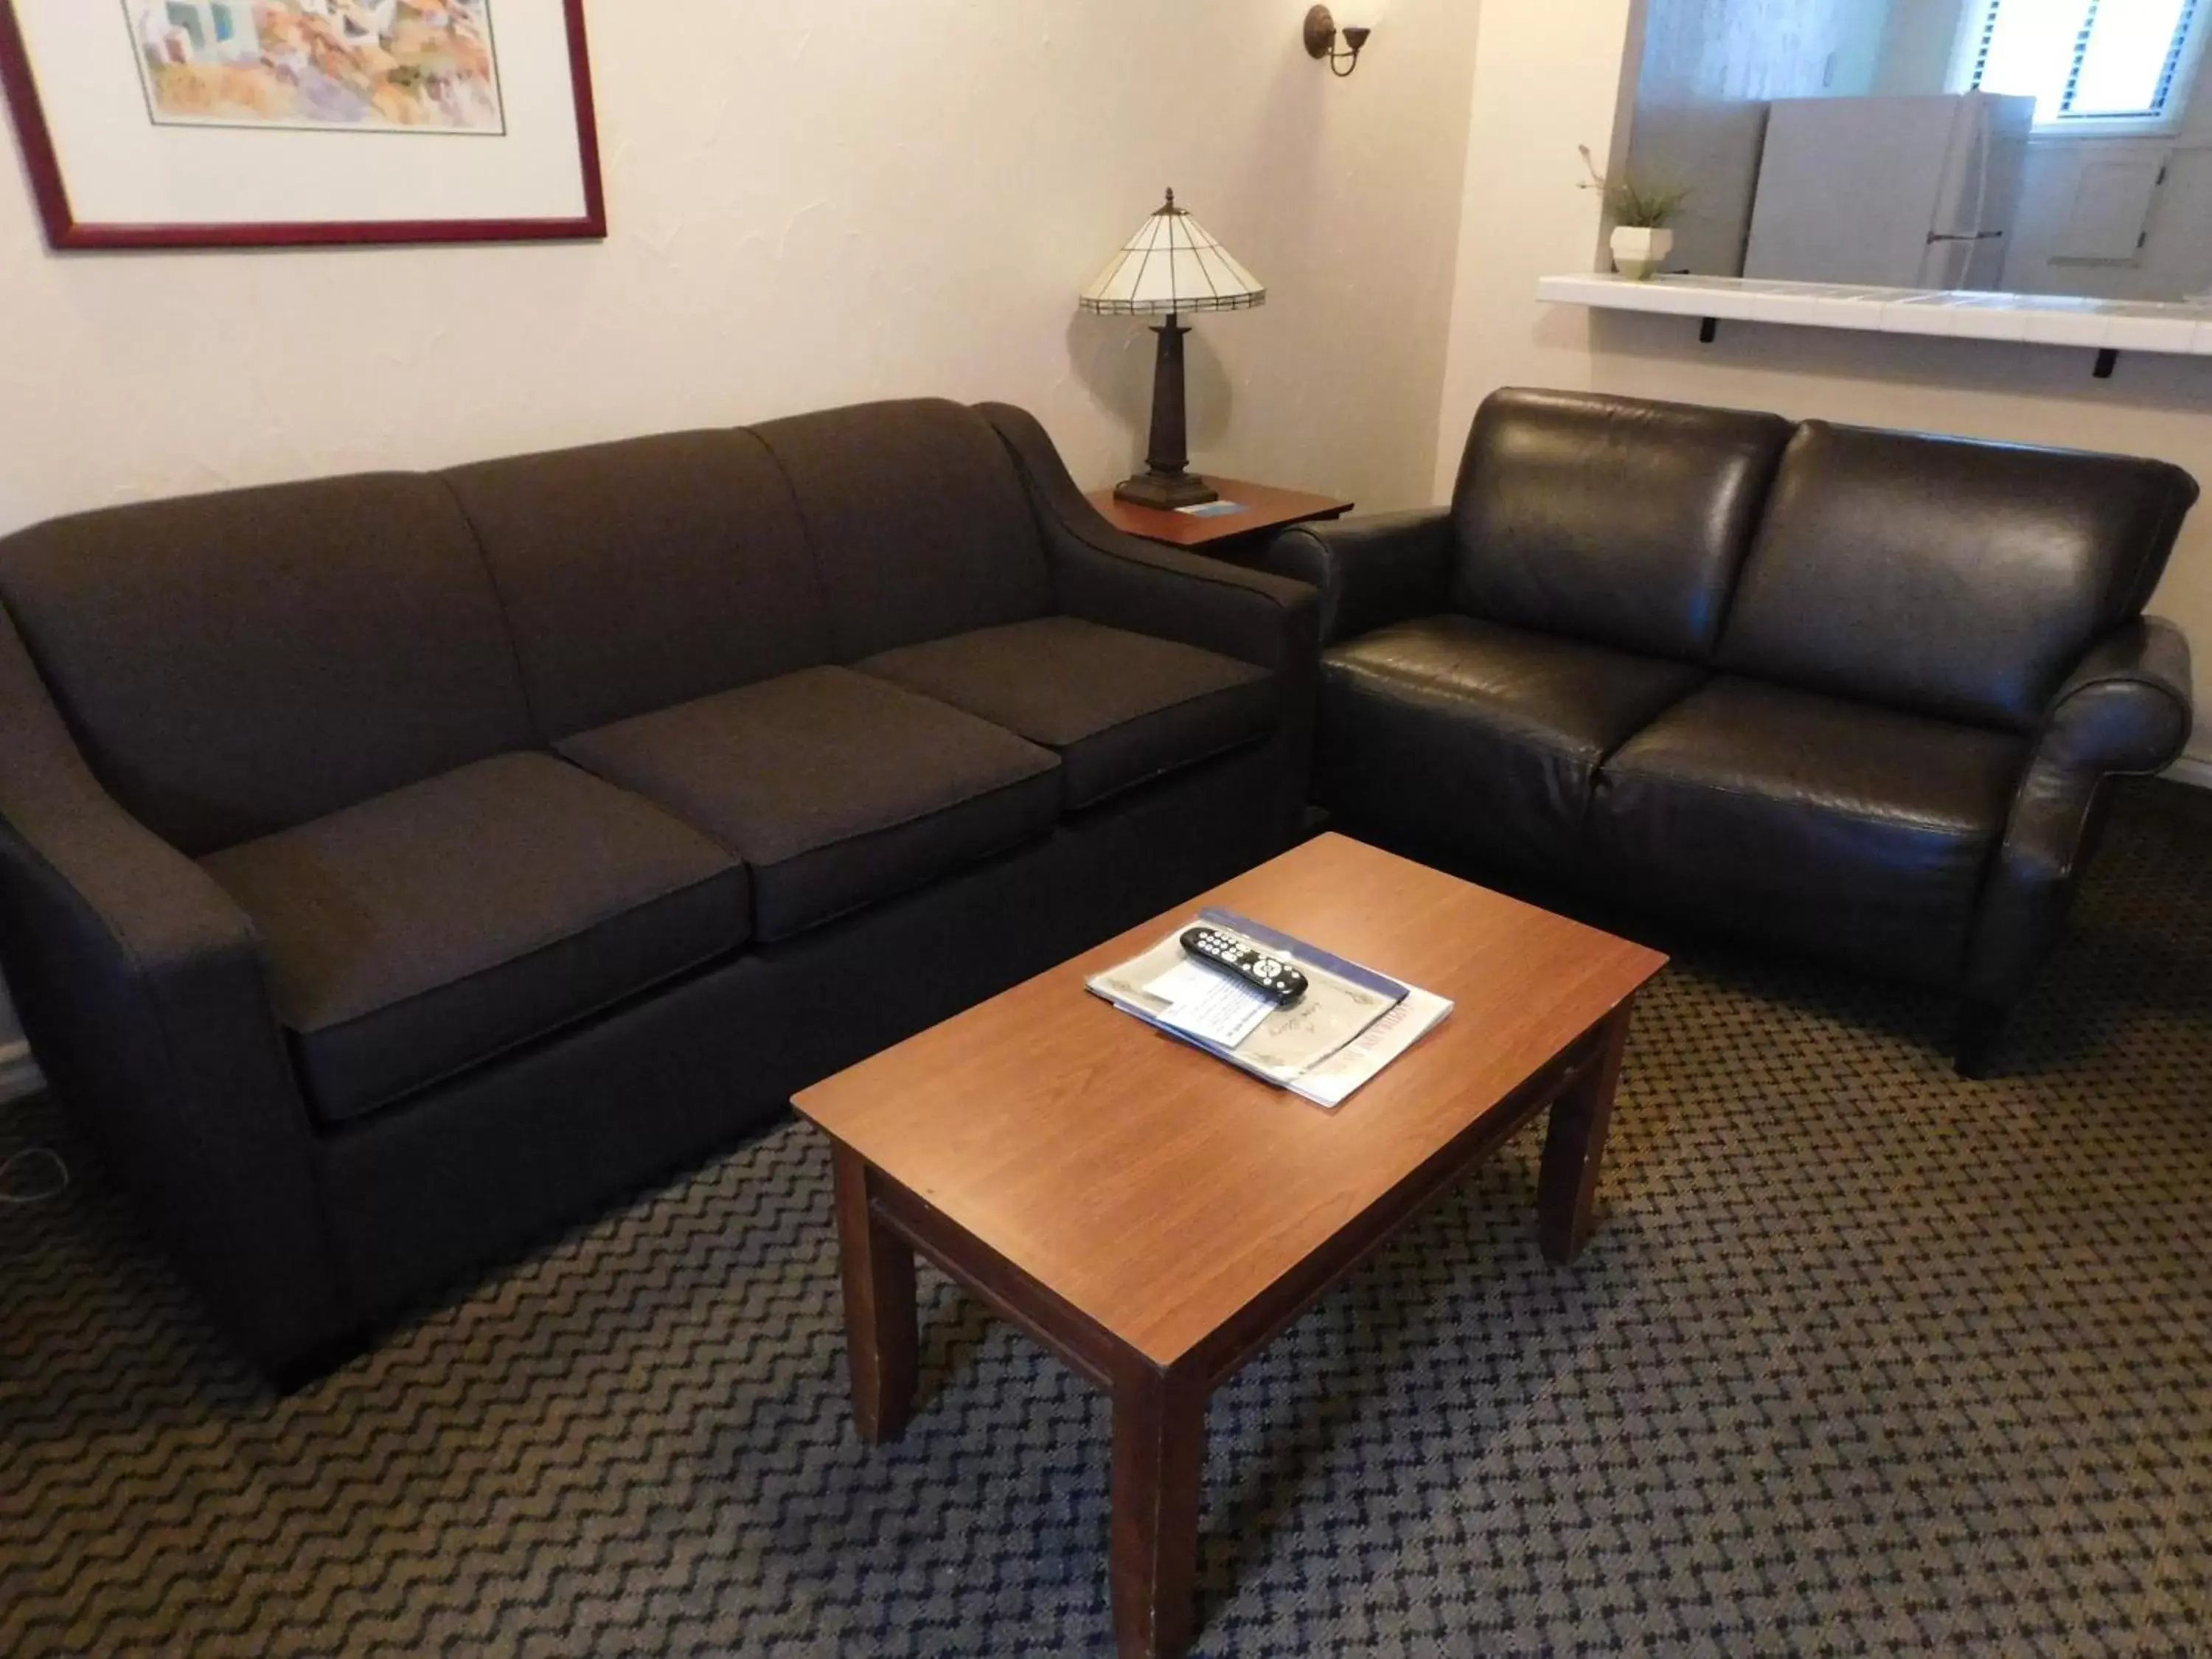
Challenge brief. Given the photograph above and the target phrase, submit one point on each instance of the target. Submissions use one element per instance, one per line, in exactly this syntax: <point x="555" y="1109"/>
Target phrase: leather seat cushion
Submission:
<point x="836" y="788"/>
<point x="423" y="932"/>
<point x="1788" y="814"/>
<point x="1481" y="736"/>
<point x="1118" y="707"/>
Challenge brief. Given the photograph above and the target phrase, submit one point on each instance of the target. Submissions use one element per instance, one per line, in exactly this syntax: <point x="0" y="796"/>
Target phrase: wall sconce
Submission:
<point x="1321" y="35"/>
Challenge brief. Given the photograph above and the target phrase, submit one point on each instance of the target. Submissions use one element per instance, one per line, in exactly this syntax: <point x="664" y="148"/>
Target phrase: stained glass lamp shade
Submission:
<point x="1171" y="266"/>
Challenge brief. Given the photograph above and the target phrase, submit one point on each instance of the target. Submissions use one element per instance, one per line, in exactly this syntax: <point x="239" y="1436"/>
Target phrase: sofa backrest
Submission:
<point x="1946" y="576"/>
<point x="234" y="664"/>
<point x="640" y="574"/>
<point x="1615" y="519"/>
<point x="920" y="525"/>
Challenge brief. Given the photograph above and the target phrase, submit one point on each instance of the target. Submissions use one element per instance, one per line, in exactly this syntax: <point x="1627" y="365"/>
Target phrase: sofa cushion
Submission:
<point x="1787" y="815"/>
<point x="235" y="664"/>
<point x="1118" y="707"/>
<point x="1950" y="578"/>
<point x="838" y="789"/>
<point x="1480" y="736"/>
<point x="640" y="574"/>
<point x="920" y="525"/>
<point x="1613" y="519"/>
<point x="417" y="934"/>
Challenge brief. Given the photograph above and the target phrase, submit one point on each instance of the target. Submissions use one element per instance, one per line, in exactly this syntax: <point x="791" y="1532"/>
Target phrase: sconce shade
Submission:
<point x="1172" y="266"/>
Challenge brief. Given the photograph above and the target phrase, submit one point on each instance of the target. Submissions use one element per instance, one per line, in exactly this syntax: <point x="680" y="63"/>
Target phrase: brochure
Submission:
<point x="1351" y="1023"/>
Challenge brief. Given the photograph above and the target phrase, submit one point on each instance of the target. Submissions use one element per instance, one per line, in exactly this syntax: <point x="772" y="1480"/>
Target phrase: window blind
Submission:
<point x="2044" y="47"/>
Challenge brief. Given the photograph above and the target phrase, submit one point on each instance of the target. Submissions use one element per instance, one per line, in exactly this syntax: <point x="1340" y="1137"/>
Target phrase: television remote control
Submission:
<point x="1271" y="976"/>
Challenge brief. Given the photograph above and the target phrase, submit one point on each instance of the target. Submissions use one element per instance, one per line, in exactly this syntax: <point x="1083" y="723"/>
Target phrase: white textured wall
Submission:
<point x="1549" y="78"/>
<point x="1916" y="47"/>
<point x="812" y="205"/>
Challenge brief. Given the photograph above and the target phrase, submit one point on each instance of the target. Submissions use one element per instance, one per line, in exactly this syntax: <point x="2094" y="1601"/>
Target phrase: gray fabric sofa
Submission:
<point x="394" y="866"/>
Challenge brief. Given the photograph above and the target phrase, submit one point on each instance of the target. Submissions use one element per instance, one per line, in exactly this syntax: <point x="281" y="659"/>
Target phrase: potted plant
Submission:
<point x="1641" y="213"/>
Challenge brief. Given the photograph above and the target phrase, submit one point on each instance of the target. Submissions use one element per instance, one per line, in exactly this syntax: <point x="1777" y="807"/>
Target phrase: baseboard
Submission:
<point x="2192" y="770"/>
<point x="19" y="1072"/>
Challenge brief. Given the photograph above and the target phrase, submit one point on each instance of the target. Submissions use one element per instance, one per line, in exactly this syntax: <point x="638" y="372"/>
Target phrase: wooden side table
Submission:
<point x="1242" y="537"/>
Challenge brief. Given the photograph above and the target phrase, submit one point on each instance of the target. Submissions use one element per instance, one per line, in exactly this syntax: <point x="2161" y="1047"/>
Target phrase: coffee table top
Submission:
<point x="1159" y="1190"/>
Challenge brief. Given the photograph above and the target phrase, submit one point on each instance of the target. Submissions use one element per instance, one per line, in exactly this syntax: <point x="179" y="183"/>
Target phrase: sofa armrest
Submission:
<point x="1104" y="576"/>
<point x="2127" y="707"/>
<point x="1371" y="572"/>
<point x="141" y="986"/>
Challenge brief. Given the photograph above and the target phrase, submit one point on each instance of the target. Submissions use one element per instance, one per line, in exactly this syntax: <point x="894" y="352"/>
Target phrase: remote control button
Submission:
<point x="1271" y="975"/>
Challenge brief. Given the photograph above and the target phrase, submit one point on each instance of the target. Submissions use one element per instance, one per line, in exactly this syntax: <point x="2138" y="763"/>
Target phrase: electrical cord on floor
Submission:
<point x="22" y="1190"/>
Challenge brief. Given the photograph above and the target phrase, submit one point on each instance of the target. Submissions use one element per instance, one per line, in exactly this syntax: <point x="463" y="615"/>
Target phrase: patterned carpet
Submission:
<point x="1864" y="1359"/>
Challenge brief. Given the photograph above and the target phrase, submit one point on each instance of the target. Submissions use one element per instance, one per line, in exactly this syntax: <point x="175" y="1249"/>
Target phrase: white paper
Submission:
<point x="1331" y="1082"/>
<point x="1323" y="1047"/>
<point x="1206" y="1003"/>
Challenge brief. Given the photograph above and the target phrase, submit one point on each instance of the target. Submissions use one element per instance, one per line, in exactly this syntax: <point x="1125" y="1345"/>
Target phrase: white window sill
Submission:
<point x="2076" y="132"/>
<point x="2060" y="319"/>
<point x="2107" y="127"/>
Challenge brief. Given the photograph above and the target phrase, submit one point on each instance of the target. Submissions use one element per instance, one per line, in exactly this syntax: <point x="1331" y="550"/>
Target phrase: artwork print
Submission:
<point x="170" y="123"/>
<point x="424" y="66"/>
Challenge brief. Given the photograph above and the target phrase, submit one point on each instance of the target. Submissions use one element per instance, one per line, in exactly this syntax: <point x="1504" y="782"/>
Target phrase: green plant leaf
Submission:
<point x="1644" y="206"/>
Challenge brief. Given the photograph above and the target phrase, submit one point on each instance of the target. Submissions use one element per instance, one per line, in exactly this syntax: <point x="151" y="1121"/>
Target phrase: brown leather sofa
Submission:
<point x="393" y="866"/>
<point x="1853" y="691"/>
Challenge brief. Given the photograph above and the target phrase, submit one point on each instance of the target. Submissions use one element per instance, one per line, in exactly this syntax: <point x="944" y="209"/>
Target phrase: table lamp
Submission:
<point x="1171" y="267"/>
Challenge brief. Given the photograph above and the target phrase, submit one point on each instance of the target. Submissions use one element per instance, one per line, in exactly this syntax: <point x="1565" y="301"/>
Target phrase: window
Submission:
<point x="2115" y="64"/>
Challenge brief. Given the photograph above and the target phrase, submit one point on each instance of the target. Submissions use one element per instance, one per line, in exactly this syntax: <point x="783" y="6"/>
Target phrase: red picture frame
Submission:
<point x="66" y="232"/>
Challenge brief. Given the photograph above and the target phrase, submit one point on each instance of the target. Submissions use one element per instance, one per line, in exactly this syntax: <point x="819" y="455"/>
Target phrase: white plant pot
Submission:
<point x="1639" y="250"/>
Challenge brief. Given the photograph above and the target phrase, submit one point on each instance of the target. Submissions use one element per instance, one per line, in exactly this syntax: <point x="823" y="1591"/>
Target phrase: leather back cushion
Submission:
<point x="919" y="523"/>
<point x="640" y="574"/>
<point x="1613" y="520"/>
<point x="236" y="664"/>
<point x="1946" y="576"/>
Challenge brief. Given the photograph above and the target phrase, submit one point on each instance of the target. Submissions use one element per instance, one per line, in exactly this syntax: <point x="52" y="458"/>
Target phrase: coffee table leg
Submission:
<point x="881" y="1341"/>
<point x="1159" y="1462"/>
<point x="1574" y="1147"/>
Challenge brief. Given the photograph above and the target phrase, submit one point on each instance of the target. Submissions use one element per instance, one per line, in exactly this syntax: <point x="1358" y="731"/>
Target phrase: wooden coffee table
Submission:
<point x="1153" y="1216"/>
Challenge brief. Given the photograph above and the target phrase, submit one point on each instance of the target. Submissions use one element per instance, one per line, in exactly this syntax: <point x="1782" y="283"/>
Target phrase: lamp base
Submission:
<point x="1165" y="490"/>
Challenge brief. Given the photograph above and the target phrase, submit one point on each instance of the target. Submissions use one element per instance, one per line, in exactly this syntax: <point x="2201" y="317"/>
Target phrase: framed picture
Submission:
<point x="168" y="124"/>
